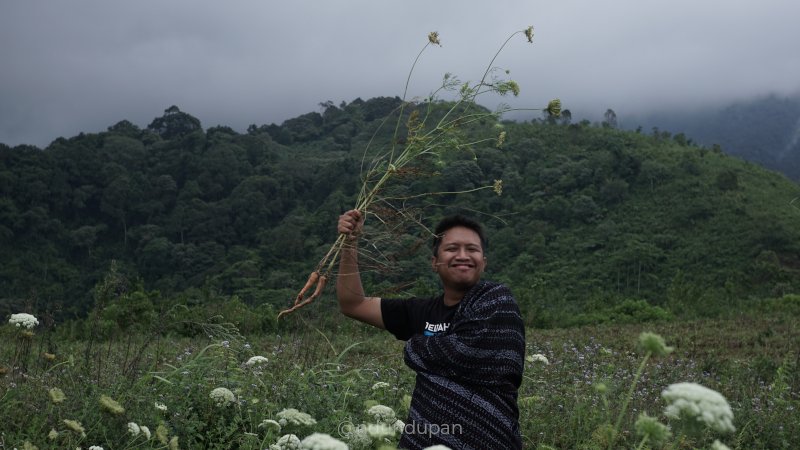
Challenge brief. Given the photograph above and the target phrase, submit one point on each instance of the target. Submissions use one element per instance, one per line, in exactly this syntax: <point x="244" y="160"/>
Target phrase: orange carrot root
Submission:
<point x="312" y="279"/>
<point x="299" y="302"/>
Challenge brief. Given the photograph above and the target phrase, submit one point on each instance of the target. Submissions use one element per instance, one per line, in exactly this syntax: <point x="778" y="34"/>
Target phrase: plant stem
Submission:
<point x="628" y="399"/>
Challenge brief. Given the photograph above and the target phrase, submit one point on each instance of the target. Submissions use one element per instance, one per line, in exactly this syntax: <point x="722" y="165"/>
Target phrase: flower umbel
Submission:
<point x="111" y="405"/>
<point x="717" y="445"/>
<point x="554" y="108"/>
<point x="222" y="396"/>
<point x="286" y="442"/>
<point x="382" y="414"/>
<point x="497" y="187"/>
<point x="133" y="429"/>
<point x="653" y="343"/>
<point x="380" y="385"/>
<point x="655" y="431"/>
<point x="23" y="320"/>
<point x="321" y="441"/>
<point x="270" y="425"/>
<point x="501" y="139"/>
<point x="529" y="33"/>
<point x="75" y="426"/>
<point x="699" y="404"/>
<point x="433" y="38"/>
<point x="538" y="357"/>
<point x="56" y="395"/>
<point x="256" y="360"/>
<point x="292" y="416"/>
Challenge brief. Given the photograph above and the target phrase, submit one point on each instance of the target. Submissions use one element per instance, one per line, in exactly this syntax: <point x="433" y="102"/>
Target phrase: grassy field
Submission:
<point x="336" y="371"/>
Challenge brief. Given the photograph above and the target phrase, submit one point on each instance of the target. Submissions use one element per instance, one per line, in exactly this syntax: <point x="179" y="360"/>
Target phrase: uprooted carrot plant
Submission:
<point x="422" y="135"/>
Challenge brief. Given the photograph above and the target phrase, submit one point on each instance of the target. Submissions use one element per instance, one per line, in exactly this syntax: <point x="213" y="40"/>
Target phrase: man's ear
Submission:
<point x="433" y="263"/>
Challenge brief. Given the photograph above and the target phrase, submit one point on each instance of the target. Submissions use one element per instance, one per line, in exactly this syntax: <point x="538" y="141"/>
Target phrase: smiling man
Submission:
<point x="466" y="345"/>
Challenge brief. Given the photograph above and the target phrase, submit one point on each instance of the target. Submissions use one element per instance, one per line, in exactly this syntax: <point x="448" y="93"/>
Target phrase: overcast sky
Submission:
<point x="83" y="65"/>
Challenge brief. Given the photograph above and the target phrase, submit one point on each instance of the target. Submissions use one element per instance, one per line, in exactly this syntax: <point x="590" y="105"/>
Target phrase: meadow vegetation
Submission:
<point x="207" y="384"/>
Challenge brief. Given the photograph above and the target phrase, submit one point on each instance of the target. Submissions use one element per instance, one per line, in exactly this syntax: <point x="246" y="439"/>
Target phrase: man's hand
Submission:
<point x="351" y="223"/>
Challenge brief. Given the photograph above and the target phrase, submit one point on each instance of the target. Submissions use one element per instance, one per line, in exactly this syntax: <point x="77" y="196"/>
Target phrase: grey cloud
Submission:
<point x="84" y="65"/>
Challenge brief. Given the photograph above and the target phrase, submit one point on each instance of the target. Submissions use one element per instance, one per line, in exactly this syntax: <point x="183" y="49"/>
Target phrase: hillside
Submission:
<point x="591" y="220"/>
<point x="763" y="130"/>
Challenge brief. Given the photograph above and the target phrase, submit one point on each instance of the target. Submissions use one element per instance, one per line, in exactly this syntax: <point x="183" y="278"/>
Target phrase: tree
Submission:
<point x="174" y="123"/>
<point x="610" y="119"/>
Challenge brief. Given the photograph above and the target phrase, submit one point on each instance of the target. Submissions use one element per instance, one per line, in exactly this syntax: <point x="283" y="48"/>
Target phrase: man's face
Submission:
<point x="460" y="260"/>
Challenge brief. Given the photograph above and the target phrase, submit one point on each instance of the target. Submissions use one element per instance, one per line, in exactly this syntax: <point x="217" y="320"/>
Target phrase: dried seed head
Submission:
<point x="554" y="108"/>
<point x="498" y="187"/>
<point x="433" y="38"/>
<point x="529" y="33"/>
<point x="501" y="139"/>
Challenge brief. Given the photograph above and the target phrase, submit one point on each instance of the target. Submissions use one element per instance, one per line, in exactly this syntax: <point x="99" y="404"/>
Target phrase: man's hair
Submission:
<point x="457" y="221"/>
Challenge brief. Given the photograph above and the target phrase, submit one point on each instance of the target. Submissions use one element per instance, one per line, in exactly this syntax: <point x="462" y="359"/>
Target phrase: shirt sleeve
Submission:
<point x="397" y="318"/>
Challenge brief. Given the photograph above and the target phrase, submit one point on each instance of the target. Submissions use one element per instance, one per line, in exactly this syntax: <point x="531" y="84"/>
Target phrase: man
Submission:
<point x="466" y="345"/>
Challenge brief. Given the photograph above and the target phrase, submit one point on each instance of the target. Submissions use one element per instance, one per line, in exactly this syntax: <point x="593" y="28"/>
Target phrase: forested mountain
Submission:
<point x="590" y="218"/>
<point x="764" y="130"/>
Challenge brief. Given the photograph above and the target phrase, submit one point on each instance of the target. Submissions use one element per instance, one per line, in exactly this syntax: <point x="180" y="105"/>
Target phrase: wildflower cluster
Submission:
<point x="111" y="405"/>
<point x="651" y="429"/>
<point x="270" y="425"/>
<point x="653" y="343"/>
<point x="135" y="430"/>
<point x="255" y="360"/>
<point x="382" y="414"/>
<point x="380" y="385"/>
<point x="321" y="441"/>
<point x="538" y="357"/>
<point x="700" y="404"/>
<point x="23" y="320"/>
<point x="222" y="396"/>
<point x="291" y="416"/>
<point x="286" y="442"/>
<point x="56" y="395"/>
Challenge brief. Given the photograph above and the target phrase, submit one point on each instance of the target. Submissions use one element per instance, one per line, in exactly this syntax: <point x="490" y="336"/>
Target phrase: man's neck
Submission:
<point x="453" y="297"/>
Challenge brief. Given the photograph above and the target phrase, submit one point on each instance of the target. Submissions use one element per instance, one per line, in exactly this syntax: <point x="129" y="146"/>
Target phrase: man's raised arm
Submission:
<point x="349" y="291"/>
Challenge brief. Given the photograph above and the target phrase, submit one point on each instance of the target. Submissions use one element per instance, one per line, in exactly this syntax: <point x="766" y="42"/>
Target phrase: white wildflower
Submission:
<point x="56" y="395"/>
<point x="321" y="441"/>
<point x="52" y="435"/>
<point x="95" y="447"/>
<point x="717" y="445"/>
<point x="699" y="403"/>
<point x="222" y="396"/>
<point x="380" y="431"/>
<point x="380" y="385"/>
<point x="398" y="426"/>
<point x="292" y="416"/>
<point x="145" y="432"/>
<point x="382" y="414"/>
<point x="161" y="407"/>
<point x="270" y="425"/>
<point x="23" y="320"/>
<point x="286" y="442"/>
<point x="538" y="357"/>
<point x="358" y="438"/>
<point x="255" y="360"/>
<point x="134" y="429"/>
